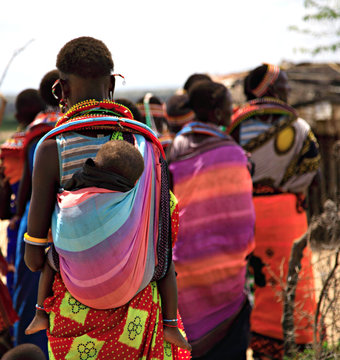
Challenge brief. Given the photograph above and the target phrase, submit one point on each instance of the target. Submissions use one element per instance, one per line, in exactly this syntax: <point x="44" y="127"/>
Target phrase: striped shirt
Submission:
<point x="74" y="149"/>
<point x="252" y="128"/>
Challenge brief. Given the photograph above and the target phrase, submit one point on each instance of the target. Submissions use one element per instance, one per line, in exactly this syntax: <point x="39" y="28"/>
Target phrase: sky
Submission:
<point x="154" y="43"/>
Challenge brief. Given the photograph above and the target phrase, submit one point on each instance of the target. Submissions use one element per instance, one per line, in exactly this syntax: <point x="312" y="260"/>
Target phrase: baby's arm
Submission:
<point x="45" y="284"/>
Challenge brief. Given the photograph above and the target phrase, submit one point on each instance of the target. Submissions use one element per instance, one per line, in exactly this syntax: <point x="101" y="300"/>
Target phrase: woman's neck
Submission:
<point x="84" y="89"/>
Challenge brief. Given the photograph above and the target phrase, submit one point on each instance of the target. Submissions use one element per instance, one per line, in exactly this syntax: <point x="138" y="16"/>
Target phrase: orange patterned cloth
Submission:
<point x="278" y="224"/>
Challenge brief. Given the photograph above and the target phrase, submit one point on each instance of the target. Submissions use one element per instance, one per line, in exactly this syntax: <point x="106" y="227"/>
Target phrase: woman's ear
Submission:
<point x="65" y="89"/>
<point x="218" y="113"/>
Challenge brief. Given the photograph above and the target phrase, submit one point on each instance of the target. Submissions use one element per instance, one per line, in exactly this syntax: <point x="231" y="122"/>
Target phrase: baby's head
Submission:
<point x="122" y="158"/>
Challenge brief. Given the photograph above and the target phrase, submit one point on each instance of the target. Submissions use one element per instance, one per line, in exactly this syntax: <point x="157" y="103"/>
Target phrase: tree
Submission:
<point x="323" y="22"/>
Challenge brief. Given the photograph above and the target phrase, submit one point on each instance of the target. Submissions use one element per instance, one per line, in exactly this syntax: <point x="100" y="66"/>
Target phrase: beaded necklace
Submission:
<point x="94" y="108"/>
<point x="261" y="106"/>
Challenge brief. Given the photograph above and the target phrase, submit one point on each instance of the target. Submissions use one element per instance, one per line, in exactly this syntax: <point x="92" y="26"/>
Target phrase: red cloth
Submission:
<point x="8" y="316"/>
<point x="278" y="224"/>
<point x="132" y="331"/>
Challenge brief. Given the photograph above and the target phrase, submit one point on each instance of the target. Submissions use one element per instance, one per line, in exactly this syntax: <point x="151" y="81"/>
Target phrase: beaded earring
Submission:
<point x="123" y="77"/>
<point x="56" y="89"/>
<point x="62" y="105"/>
<point x="57" y="93"/>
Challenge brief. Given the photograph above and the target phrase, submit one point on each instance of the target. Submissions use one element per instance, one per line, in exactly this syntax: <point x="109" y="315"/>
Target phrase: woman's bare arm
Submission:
<point x="45" y="183"/>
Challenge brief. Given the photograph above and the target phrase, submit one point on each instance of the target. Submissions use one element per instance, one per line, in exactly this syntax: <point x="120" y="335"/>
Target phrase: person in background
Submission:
<point x="178" y="112"/>
<point x="8" y="316"/>
<point x="193" y="78"/>
<point x="153" y="113"/>
<point x="213" y="186"/>
<point x="2" y="107"/>
<point x="26" y="282"/>
<point x="121" y="294"/>
<point x="152" y="110"/>
<point x="28" y="104"/>
<point x="133" y="108"/>
<point x="25" y="352"/>
<point x="285" y="154"/>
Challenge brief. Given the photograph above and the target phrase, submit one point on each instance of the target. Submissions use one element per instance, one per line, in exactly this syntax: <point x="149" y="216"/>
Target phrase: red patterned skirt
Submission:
<point x="133" y="331"/>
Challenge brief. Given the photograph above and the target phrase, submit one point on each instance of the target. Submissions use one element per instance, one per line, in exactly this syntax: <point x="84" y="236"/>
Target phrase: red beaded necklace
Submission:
<point x="94" y="108"/>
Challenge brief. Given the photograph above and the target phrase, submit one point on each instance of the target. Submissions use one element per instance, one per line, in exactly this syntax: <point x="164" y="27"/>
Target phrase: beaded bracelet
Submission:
<point x="170" y="320"/>
<point x="174" y="321"/>
<point x="38" y="307"/>
<point x="168" y="325"/>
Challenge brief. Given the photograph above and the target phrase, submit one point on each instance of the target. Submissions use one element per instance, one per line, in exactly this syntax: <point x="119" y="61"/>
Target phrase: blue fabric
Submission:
<point x="26" y="288"/>
<point x="203" y="128"/>
<point x="12" y="243"/>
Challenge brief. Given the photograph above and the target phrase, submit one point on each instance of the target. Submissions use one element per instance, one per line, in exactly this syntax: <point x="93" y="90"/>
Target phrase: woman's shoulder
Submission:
<point x="46" y="158"/>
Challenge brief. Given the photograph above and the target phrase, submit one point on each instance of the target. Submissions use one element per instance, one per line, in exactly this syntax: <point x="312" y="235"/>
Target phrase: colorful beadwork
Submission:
<point x="262" y="106"/>
<point x="82" y="107"/>
<point x="269" y="78"/>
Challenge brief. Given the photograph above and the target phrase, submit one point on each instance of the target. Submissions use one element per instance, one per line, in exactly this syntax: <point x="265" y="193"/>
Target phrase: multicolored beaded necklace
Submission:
<point x="93" y="108"/>
<point x="262" y="106"/>
<point x="93" y="114"/>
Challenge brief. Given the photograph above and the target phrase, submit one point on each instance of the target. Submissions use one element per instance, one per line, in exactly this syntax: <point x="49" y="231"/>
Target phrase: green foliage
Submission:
<point x="326" y="353"/>
<point x="323" y="19"/>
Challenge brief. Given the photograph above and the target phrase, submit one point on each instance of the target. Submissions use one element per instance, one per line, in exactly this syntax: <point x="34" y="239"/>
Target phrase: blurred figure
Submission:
<point x="153" y="113"/>
<point x="28" y="104"/>
<point x="2" y="107"/>
<point x="178" y="113"/>
<point x="8" y="315"/>
<point x="285" y="154"/>
<point x="132" y="107"/>
<point x="24" y="352"/>
<point x="26" y="282"/>
<point x="213" y="186"/>
<point x="192" y="79"/>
